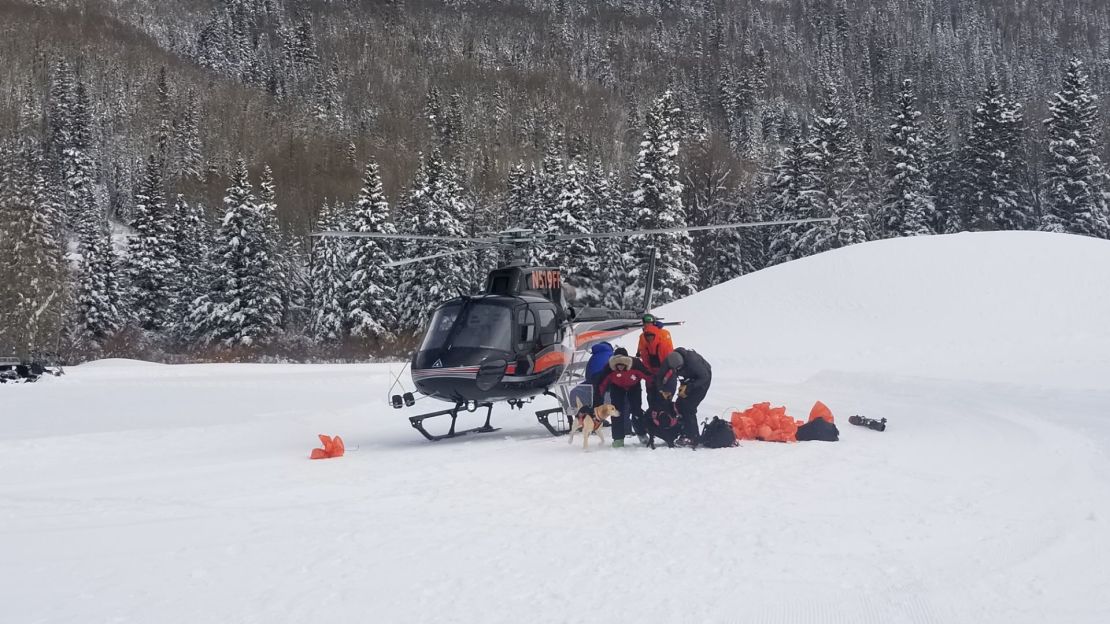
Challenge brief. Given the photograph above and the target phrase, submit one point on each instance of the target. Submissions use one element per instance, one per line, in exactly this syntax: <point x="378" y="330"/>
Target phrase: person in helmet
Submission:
<point x="692" y="375"/>
<point x="623" y="382"/>
<point x="654" y="347"/>
<point x="655" y="343"/>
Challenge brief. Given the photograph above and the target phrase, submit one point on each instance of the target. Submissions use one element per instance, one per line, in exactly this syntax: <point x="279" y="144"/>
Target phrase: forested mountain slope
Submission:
<point x="156" y="123"/>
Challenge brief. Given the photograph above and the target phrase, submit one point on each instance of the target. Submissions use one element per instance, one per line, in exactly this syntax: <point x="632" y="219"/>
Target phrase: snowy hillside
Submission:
<point x="1021" y="307"/>
<point x="133" y="492"/>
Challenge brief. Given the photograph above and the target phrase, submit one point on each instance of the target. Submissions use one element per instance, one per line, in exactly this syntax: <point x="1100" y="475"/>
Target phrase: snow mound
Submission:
<point x="1008" y="307"/>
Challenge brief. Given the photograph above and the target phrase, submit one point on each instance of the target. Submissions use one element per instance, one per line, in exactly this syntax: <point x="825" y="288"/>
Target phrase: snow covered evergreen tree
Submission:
<point x="907" y="209"/>
<point x="656" y="199"/>
<point x="371" y="288"/>
<point x="608" y="215"/>
<point x="706" y="175"/>
<point x="274" y="285"/>
<point x="735" y="251"/>
<point x="754" y="243"/>
<point x="32" y="290"/>
<point x="784" y="201"/>
<point x="151" y="264"/>
<point x="523" y="205"/>
<point x="59" y="112"/>
<point x="551" y="173"/>
<point x="831" y="186"/>
<point x="239" y="311"/>
<point x="99" y="291"/>
<point x="78" y="169"/>
<point x="577" y="258"/>
<point x="1075" y="193"/>
<point x="189" y="159"/>
<point x="992" y="163"/>
<point x="329" y="275"/>
<point x="944" y="179"/>
<point x="433" y="207"/>
<point x="164" y="134"/>
<point x="191" y="250"/>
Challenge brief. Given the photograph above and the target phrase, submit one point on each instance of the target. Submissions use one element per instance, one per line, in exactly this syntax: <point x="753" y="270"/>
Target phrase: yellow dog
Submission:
<point x="591" y="422"/>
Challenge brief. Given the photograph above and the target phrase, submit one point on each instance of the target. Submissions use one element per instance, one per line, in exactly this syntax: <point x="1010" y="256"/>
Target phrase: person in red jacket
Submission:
<point x="623" y="382"/>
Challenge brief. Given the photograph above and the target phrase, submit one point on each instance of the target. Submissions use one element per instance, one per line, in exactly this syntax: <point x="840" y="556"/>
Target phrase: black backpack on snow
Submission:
<point x="717" y="433"/>
<point x="818" y="429"/>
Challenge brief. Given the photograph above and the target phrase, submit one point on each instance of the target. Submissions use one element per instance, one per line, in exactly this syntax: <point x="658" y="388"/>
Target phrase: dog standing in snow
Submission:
<point x="591" y="421"/>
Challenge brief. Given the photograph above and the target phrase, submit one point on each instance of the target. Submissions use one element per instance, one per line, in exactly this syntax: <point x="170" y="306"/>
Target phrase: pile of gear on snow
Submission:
<point x="770" y="424"/>
<point x="13" y="370"/>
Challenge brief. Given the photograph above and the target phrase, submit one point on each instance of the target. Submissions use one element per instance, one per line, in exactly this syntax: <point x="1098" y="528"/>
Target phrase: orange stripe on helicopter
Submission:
<point x="597" y="334"/>
<point x="548" y="360"/>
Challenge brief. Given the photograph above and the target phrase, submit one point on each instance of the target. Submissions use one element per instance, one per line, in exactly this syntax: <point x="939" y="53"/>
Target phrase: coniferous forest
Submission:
<point x="162" y="164"/>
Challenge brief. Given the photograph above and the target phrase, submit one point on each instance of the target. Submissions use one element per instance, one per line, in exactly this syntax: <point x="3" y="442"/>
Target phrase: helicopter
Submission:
<point x="520" y="338"/>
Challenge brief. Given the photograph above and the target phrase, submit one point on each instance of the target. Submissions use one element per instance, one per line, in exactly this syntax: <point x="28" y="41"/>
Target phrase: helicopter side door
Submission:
<point x="537" y="329"/>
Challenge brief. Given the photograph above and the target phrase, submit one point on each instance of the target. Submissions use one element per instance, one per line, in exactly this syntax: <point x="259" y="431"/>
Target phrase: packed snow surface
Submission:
<point x="134" y="492"/>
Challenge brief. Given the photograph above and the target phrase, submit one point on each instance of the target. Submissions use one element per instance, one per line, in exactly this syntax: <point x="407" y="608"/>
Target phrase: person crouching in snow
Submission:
<point x="695" y="375"/>
<point x="623" y="383"/>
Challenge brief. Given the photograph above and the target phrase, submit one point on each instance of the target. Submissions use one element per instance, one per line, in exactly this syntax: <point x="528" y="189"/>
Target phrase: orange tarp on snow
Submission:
<point x="763" y="422"/>
<point x="772" y="424"/>
<point x="333" y="447"/>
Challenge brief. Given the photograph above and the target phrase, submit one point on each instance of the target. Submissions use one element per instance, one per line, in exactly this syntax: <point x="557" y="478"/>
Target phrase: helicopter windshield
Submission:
<point x="481" y="326"/>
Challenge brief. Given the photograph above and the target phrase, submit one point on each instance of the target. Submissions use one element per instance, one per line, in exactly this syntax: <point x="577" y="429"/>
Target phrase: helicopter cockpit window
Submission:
<point x="484" y="326"/>
<point x="440" y="327"/>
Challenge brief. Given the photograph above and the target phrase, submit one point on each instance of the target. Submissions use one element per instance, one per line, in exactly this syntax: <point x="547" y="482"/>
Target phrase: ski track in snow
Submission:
<point x="134" y="492"/>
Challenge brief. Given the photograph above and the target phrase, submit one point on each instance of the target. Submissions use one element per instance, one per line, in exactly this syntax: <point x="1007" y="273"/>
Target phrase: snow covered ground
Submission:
<point x="134" y="492"/>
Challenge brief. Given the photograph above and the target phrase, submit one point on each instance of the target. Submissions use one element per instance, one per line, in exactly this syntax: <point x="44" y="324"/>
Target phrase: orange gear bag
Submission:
<point x="820" y="410"/>
<point x="333" y="447"/>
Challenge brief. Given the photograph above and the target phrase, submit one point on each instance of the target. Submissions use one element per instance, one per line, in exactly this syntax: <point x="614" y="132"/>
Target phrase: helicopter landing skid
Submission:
<point x="562" y="424"/>
<point x="418" y="421"/>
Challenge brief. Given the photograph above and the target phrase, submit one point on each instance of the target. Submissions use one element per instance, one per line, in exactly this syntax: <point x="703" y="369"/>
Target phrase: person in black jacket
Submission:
<point x="696" y="375"/>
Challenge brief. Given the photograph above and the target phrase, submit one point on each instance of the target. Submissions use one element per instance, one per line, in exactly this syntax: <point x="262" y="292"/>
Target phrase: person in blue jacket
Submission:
<point x="598" y="366"/>
<point x="596" y="369"/>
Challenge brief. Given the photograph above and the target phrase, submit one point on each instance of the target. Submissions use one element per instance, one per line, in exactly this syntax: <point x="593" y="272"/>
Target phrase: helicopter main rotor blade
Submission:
<point x="420" y="237"/>
<point x="444" y="254"/>
<point x="679" y="230"/>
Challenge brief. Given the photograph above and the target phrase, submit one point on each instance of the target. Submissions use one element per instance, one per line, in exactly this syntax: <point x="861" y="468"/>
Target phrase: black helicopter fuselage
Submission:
<point x="491" y="348"/>
<point x="509" y="343"/>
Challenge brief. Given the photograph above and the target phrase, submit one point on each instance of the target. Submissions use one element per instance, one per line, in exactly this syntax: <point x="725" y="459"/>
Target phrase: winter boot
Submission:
<point x="618" y="443"/>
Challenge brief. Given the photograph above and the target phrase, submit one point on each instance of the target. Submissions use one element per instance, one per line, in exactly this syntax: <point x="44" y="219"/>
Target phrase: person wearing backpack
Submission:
<point x="692" y="375"/>
<point x="623" y="382"/>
